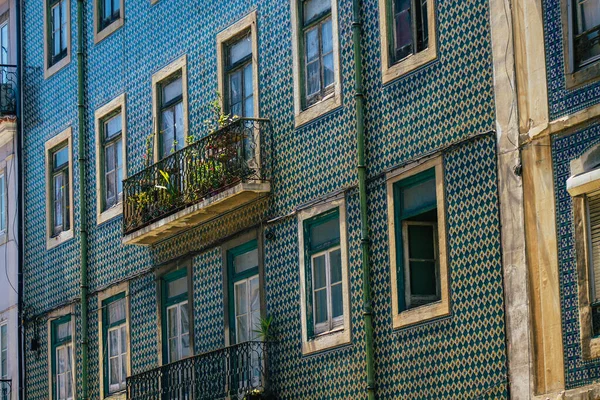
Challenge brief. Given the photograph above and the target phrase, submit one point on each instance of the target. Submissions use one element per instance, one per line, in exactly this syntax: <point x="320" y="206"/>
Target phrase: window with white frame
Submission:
<point x="3" y="204"/>
<point x="172" y="133"/>
<point x="239" y="71"/>
<point x="62" y="358"/>
<point x="113" y="159"/>
<point x="324" y="277"/>
<point x="3" y="351"/>
<point x="58" y="30"/>
<point x="115" y="343"/>
<point x="419" y="270"/>
<point x="176" y="324"/>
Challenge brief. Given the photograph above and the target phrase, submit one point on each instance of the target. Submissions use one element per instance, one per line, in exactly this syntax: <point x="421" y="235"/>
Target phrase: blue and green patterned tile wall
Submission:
<point x="443" y="102"/>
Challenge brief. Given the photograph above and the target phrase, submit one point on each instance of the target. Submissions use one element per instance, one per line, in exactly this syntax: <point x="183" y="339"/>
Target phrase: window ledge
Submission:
<point x="64" y="236"/>
<point x="328" y="104"/>
<point x="585" y="75"/>
<point x="120" y="395"/>
<point x="109" y="214"/>
<point x="421" y="314"/>
<point x="408" y="64"/>
<point x="327" y="340"/>
<point x="109" y="30"/>
<point x="48" y="72"/>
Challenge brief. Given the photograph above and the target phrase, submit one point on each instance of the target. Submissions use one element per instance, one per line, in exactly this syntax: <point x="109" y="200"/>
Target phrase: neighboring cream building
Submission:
<point x="9" y="355"/>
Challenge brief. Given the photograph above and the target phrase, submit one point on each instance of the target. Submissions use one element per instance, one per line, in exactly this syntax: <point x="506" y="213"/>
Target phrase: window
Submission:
<point x="60" y="188"/>
<point x="3" y="353"/>
<point x="108" y="17"/>
<point x="3" y="203"/>
<point x="316" y="78"/>
<point x="114" y="334"/>
<point x="4" y="51"/>
<point x="587" y="31"/>
<point x="417" y="245"/>
<point x="244" y="292"/>
<point x="407" y="36"/>
<point x="62" y="358"/>
<point x="110" y="161"/>
<point x="59" y="192"/>
<point x="323" y="267"/>
<point x="170" y="110"/>
<point x="240" y="87"/>
<point x="57" y="35"/>
<point x="237" y="67"/>
<point x="176" y="323"/>
<point x="592" y="201"/>
<point x="322" y="243"/>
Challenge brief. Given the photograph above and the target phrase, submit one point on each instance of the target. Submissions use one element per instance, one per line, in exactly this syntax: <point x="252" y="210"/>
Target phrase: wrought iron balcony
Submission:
<point x="235" y="372"/>
<point x="213" y="175"/>
<point x="8" y="89"/>
<point x="5" y="389"/>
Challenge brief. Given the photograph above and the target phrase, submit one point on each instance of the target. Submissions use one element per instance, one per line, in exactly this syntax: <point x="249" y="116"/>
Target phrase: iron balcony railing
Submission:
<point x="8" y="89"/>
<point x="235" y="153"/>
<point x="235" y="372"/>
<point x="5" y="389"/>
<point x="587" y="46"/>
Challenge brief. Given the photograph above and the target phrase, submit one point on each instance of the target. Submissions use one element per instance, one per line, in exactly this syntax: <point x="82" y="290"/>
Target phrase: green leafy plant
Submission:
<point x="169" y="186"/>
<point x="264" y="329"/>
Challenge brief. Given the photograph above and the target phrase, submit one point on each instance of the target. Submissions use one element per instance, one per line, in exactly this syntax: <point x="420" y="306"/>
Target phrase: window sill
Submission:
<point x="327" y="340"/>
<point x="421" y="314"/>
<point x="109" y="30"/>
<point x="109" y="214"/>
<point x="329" y="103"/>
<point x="120" y="395"/>
<point x="48" y="72"/>
<point x="408" y="64"/>
<point x="585" y="75"/>
<point x="52" y="242"/>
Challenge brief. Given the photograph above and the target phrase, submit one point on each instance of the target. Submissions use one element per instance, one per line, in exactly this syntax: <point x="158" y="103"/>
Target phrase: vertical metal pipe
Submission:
<point x="82" y="202"/>
<point x="362" y="190"/>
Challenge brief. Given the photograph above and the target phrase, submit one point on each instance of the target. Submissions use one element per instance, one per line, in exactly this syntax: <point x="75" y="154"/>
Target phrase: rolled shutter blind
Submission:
<point x="594" y="221"/>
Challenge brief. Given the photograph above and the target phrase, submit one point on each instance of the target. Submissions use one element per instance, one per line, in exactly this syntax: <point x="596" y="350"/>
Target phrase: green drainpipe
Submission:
<point x="362" y="189"/>
<point x="82" y="200"/>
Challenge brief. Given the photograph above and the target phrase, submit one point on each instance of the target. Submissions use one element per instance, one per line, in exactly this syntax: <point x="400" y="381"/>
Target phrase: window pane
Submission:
<point x="107" y="6"/>
<point x="58" y="193"/>
<point x="422" y="278"/>
<point x="123" y="339"/>
<point x="116" y="311"/>
<point x="62" y="390"/>
<point x="328" y="70"/>
<point x="110" y="189"/>
<point x="64" y="331"/>
<point x="172" y="90"/>
<point x="167" y="131"/>
<point x="173" y="351"/>
<point x="2" y="204"/>
<point x="254" y="294"/>
<point x="336" y="301"/>
<point x="235" y="87"/>
<point x="312" y="44"/>
<point x="123" y="369"/>
<point x="61" y="157"/>
<point x="185" y="345"/>
<point x="420" y="242"/>
<point x="240" y="49"/>
<point x="320" y="277"/>
<point x="114" y="371"/>
<point x="112" y="126"/>
<point x="418" y="196"/>
<point x="248" y="107"/>
<point x="242" y="328"/>
<point x="327" y="36"/>
<point x="246" y="261"/>
<point x="63" y="29"/>
<point x="241" y="299"/>
<point x="185" y="323"/>
<point x="320" y="306"/>
<point x="314" y="8"/>
<point x="335" y="260"/>
<point x="179" y="132"/>
<point x="109" y="158"/>
<point x="588" y="14"/>
<point x="326" y="232"/>
<point x="314" y="78"/>
<point x="255" y="320"/>
<point x="177" y="287"/>
<point x="56" y="27"/>
<point x="116" y="5"/>
<point x="403" y="30"/>
<point x="172" y="322"/>
<point x="62" y="360"/>
<point x="113" y="343"/>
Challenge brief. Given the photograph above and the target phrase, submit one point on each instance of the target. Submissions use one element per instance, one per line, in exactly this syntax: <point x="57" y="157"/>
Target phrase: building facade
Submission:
<point x="158" y="244"/>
